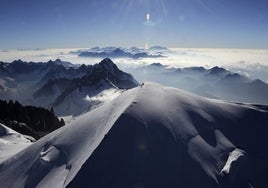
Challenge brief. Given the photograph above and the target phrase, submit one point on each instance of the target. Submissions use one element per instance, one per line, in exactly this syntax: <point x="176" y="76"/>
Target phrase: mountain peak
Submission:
<point x="19" y="61"/>
<point x="217" y="70"/>
<point x="106" y="65"/>
<point x="158" y="48"/>
<point x="107" y="62"/>
<point x="108" y="71"/>
<point x="151" y="136"/>
<point x="259" y="82"/>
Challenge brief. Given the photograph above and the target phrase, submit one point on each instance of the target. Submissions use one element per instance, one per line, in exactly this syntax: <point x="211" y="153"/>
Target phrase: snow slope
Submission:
<point x="149" y="136"/>
<point x="12" y="142"/>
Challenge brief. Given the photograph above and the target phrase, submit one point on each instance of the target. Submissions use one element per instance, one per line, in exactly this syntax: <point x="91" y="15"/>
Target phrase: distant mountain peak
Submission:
<point x="107" y="63"/>
<point x="59" y="62"/>
<point x="158" y="48"/>
<point x="157" y="65"/>
<point x="233" y="76"/>
<point x="107" y="66"/>
<point x="19" y="61"/>
<point x="259" y="82"/>
<point x="217" y="70"/>
<point x="108" y="70"/>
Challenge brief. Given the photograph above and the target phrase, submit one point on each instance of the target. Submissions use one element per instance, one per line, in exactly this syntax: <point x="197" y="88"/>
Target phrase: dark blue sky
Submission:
<point x="173" y="23"/>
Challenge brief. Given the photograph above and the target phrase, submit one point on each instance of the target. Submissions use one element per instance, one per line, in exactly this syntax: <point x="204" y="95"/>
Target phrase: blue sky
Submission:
<point x="31" y="24"/>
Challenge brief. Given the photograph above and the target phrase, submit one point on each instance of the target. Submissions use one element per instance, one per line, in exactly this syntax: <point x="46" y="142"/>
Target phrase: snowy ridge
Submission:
<point x="66" y="145"/>
<point x="149" y="136"/>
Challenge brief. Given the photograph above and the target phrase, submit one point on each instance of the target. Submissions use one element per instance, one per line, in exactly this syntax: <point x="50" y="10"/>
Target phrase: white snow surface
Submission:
<point x="54" y="160"/>
<point x="233" y="156"/>
<point x="71" y="146"/>
<point x="11" y="142"/>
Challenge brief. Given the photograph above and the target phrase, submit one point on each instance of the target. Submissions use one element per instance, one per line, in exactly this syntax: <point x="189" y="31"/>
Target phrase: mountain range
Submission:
<point x="59" y="85"/>
<point x="128" y="134"/>
<point x="215" y="82"/>
<point x="149" y="136"/>
<point x="73" y="89"/>
<point x="114" y="52"/>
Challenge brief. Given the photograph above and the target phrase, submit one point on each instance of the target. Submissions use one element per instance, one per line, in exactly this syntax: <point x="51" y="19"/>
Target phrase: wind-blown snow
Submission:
<point x="105" y="96"/>
<point x="148" y="136"/>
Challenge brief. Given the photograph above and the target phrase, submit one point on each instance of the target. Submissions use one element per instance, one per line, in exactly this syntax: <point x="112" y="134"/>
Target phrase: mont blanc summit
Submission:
<point x="150" y="136"/>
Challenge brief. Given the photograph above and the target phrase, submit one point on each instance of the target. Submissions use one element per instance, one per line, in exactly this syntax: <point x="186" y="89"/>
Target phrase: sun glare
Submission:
<point x="148" y="17"/>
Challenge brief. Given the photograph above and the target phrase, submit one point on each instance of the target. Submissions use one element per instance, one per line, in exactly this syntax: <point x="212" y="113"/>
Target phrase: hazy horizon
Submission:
<point x="249" y="62"/>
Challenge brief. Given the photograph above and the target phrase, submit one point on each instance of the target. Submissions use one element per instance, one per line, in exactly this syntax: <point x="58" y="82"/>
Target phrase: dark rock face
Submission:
<point x="108" y="71"/>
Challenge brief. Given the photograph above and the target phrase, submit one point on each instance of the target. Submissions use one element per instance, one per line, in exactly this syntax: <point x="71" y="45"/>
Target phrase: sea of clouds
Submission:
<point x="252" y="63"/>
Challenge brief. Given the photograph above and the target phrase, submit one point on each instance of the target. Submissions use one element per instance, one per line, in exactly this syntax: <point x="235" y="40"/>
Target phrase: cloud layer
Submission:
<point x="252" y="63"/>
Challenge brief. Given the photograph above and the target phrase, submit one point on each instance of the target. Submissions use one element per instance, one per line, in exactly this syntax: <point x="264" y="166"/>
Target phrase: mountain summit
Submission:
<point x="150" y="136"/>
<point x="108" y="71"/>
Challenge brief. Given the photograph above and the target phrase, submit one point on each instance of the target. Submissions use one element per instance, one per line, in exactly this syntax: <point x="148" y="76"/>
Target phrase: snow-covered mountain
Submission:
<point x="150" y="136"/>
<point x="63" y="87"/>
<point x="215" y="82"/>
<point x="12" y="142"/>
<point x="20" y="79"/>
<point x="69" y="96"/>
